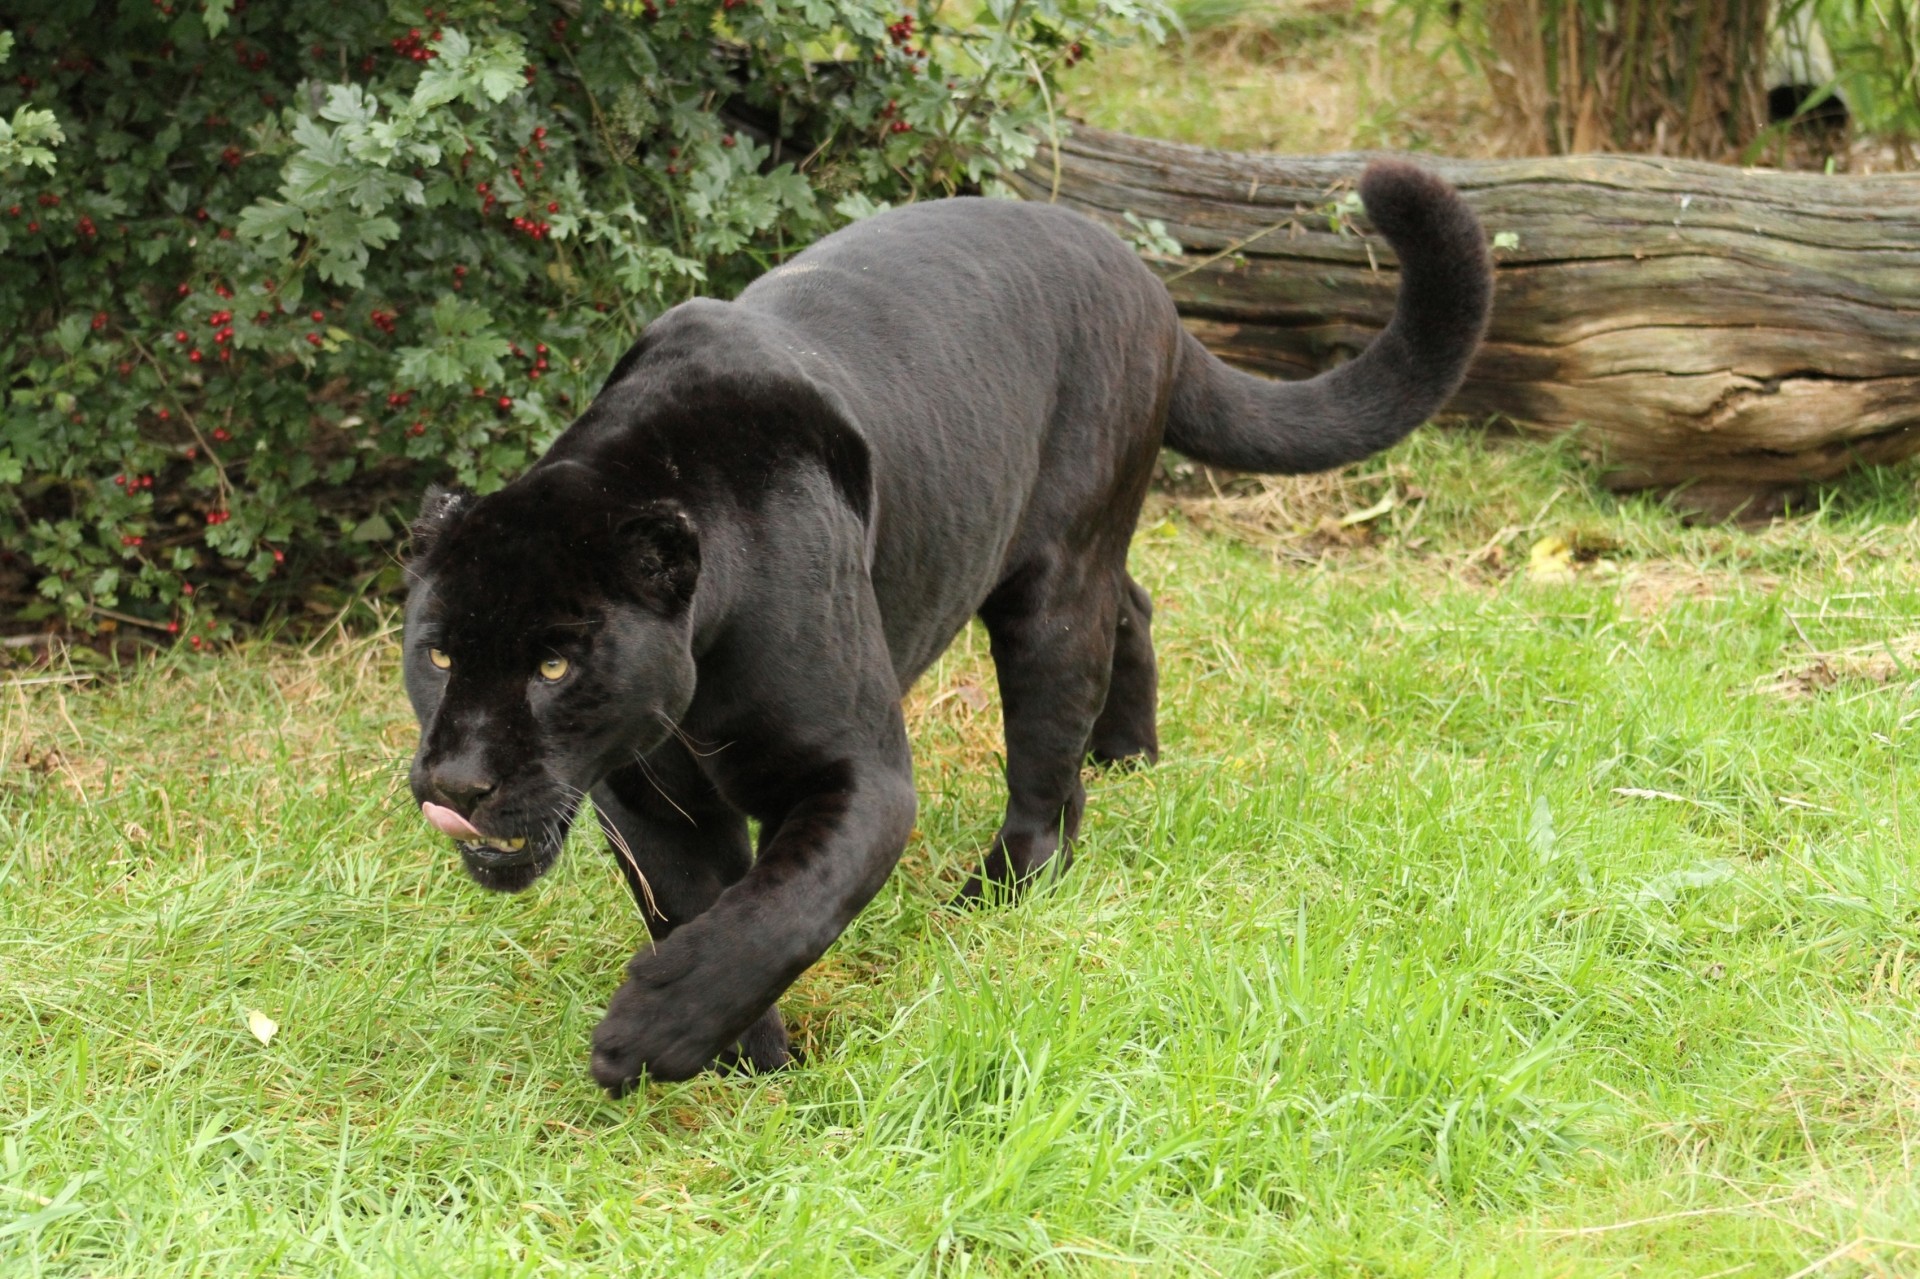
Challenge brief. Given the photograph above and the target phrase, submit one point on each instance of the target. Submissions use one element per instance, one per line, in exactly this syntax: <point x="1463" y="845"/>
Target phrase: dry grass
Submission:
<point x="1881" y="662"/>
<point x="1288" y="75"/>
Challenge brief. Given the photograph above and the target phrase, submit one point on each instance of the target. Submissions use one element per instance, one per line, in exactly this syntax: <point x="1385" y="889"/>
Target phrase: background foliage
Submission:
<point x="265" y="270"/>
<point x="1680" y="77"/>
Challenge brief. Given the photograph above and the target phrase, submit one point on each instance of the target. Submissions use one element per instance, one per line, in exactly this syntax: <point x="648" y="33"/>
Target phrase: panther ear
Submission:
<point x="438" y="512"/>
<point x="660" y="554"/>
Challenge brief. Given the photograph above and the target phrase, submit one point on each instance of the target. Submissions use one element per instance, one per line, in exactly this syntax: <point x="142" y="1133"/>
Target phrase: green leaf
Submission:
<point x="27" y="141"/>
<point x="217" y="14"/>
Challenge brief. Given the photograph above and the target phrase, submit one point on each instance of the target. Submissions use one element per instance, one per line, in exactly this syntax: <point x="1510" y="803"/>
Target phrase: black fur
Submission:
<point x="779" y="510"/>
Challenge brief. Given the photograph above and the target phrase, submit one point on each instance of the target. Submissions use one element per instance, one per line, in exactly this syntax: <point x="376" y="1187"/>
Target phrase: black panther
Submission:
<point x="705" y="602"/>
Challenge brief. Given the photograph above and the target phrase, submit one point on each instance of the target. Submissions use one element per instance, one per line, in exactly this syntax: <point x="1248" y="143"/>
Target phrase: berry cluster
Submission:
<point x="537" y="361"/>
<point x="900" y="35"/>
<point x="251" y="59"/>
<point x="415" y="47"/>
<point x="384" y="320"/>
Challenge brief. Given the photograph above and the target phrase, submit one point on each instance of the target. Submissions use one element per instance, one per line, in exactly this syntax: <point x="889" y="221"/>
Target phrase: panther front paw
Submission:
<point x="662" y="1029"/>
<point x="763" y="1049"/>
<point x="658" y="1031"/>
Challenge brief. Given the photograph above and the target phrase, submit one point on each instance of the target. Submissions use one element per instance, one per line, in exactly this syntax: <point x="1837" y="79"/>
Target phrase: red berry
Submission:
<point x="33" y="228"/>
<point x="173" y="628"/>
<point x="506" y="401"/>
<point x="319" y="316"/>
<point x="99" y="319"/>
<point x="314" y="338"/>
<point x="553" y="207"/>
<point x="194" y="356"/>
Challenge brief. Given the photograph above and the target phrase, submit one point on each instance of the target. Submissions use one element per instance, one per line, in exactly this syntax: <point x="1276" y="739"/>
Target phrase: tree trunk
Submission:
<point x="1734" y="330"/>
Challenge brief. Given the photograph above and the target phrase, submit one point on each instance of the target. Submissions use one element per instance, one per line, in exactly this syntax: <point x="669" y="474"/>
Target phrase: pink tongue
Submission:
<point x="448" y="822"/>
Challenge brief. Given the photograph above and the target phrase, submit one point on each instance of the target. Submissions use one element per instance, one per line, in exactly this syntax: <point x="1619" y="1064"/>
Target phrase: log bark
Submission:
<point x="1733" y="330"/>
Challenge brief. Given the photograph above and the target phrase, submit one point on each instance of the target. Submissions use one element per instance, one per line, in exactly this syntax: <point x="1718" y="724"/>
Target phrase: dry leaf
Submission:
<point x="1373" y="512"/>
<point x="1551" y="560"/>
<point x="263" y="1027"/>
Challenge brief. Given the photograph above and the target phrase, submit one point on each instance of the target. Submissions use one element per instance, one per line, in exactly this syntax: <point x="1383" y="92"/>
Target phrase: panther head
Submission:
<point x="548" y="642"/>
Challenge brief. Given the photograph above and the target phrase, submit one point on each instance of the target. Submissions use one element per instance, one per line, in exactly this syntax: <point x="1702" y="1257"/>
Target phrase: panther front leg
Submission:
<point x="703" y="987"/>
<point x="679" y="845"/>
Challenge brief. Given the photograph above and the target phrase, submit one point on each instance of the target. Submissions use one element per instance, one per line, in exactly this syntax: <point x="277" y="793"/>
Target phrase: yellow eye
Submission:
<point x="439" y="659"/>
<point x="553" y="668"/>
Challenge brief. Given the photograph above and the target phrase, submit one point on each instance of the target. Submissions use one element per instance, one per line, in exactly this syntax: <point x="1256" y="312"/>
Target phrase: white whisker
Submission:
<point x="647" y="772"/>
<point x="619" y="842"/>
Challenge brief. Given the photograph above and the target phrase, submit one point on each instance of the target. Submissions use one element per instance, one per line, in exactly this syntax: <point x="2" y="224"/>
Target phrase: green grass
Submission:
<point x="1472" y="925"/>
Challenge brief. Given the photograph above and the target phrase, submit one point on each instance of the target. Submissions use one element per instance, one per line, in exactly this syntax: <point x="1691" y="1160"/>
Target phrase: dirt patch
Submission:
<point x="1885" y="662"/>
<point x="1651" y="589"/>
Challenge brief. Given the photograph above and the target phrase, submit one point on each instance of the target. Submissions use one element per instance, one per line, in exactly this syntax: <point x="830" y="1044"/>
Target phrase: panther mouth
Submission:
<point x="495" y="849"/>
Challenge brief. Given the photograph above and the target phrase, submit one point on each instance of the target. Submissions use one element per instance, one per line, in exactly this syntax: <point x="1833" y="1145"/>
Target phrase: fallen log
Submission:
<point x="1739" y="332"/>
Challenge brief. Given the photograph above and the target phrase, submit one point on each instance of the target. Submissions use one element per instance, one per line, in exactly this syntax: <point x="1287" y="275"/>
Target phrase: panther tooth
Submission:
<point x="500" y="845"/>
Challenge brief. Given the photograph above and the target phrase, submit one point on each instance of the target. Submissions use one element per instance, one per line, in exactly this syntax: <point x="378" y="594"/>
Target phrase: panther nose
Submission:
<point x="462" y="782"/>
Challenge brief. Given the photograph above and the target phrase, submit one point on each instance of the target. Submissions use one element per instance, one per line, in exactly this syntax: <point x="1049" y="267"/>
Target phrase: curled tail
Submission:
<point x="1224" y="417"/>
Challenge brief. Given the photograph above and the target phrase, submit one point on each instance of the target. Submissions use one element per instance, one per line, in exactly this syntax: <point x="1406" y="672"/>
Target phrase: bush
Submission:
<point x="290" y="262"/>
